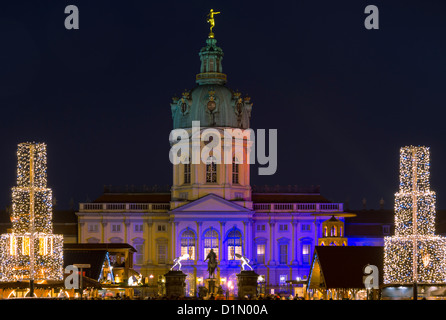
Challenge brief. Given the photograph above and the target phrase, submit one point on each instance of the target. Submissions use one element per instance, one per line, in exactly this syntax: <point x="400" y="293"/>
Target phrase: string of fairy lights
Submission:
<point x="31" y="251"/>
<point x="414" y="225"/>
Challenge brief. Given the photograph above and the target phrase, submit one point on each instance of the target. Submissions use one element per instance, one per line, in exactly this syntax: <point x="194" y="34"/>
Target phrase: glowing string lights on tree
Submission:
<point x="31" y="251"/>
<point x="414" y="226"/>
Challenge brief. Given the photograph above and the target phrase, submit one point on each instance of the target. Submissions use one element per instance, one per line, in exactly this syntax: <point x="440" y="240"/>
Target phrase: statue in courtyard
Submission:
<point x="212" y="263"/>
<point x="245" y="261"/>
<point x="177" y="261"/>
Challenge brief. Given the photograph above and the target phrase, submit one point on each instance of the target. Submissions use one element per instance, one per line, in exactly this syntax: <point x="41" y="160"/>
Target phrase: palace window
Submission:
<point x="161" y="228"/>
<point x="211" y="170"/>
<point x="306" y="253"/>
<point x="210" y="242"/>
<point x="162" y="253"/>
<point x="115" y="228"/>
<point x="261" y="227"/>
<point x="138" y="227"/>
<point x="94" y="227"/>
<point x="187" y="241"/>
<point x="235" y="171"/>
<point x="138" y="256"/>
<point x="283" y="253"/>
<point x="283" y="227"/>
<point x="305" y="227"/>
<point x="234" y="244"/>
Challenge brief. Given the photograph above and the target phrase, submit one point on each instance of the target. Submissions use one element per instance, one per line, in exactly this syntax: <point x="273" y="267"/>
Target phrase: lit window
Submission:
<point x="306" y="253"/>
<point x="210" y="242"/>
<point x="188" y="243"/>
<point x="261" y="253"/>
<point x="234" y="244"/>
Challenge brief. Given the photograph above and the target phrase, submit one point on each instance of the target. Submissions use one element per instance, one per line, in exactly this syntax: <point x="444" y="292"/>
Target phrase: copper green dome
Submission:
<point x="211" y="102"/>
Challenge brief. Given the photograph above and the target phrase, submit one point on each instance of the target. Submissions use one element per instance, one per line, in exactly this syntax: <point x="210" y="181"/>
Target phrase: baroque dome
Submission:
<point x="211" y="102"/>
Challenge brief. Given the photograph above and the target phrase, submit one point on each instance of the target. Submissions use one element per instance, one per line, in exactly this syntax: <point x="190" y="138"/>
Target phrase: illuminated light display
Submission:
<point x="414" y="226"/>
<point x="31" y="251"/>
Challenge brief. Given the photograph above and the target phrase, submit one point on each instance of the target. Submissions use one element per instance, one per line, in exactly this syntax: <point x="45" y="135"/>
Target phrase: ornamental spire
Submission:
<point x="211" y="70"/>
<point x="211" y="21"/>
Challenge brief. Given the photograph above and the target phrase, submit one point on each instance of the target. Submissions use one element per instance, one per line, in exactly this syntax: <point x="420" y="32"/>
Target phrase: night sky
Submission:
<point x="343" y="98"/>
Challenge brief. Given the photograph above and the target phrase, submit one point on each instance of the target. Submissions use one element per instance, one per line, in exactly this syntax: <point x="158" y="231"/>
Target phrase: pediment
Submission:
<point x="211" y="203"/>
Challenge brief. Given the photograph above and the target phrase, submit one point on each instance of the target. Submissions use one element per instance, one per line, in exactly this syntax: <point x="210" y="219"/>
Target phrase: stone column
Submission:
<point x="80" y="232"/>
<point x="126" y="231"/>
<point x="224" y="252"/>
<point x="199" y="244"/>
<point x="250" y="240"/>
<point x="149" y="233"/>
<point x="295" y="225"/>
<point x="103" y="231"/>
<point x="221" y="243"/>
<point x="171" y="244"/>
<point x="272" y="248"/>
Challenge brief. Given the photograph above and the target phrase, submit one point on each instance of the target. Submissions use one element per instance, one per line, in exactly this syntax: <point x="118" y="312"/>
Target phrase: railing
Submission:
<point x="163" y="207"/>
<point x="298" y="207"/>
<point x="124" y="207"/>
<point x="211" y="75"/>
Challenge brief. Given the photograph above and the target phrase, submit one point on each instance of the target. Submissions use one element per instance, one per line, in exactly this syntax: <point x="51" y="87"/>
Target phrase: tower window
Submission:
<point x="186" y="173"/>
<point x="235" y="171"/>
<point x="211" y="170"/>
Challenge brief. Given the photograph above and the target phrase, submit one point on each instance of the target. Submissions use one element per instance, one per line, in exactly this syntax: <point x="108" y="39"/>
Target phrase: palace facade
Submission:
<point x="212" y="205"/>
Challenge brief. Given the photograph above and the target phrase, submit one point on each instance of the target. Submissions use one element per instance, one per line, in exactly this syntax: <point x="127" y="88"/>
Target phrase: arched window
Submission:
<point x="211" y="170"/>
<point x="326" y="231"/>
<point x="210" y="241"/>
<point x="333" y="231"/>
<point x="340" y="232"/>
<point x="187" y="242"/>
<point x="235" y="171"/>
<point x="234" y="241"/>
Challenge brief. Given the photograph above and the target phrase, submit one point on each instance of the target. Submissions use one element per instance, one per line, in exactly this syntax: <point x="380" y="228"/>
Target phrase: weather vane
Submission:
<point x="211" y="21"/>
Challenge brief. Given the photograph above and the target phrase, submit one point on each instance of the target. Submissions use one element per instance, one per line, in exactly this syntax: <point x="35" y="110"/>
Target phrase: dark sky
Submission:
<point x="344" y="99"/>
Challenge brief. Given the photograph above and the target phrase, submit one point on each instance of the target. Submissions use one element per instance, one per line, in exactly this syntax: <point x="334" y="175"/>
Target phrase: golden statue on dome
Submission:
<point x="211" y="21"/>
